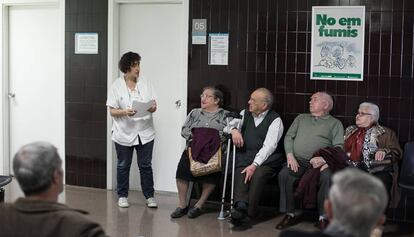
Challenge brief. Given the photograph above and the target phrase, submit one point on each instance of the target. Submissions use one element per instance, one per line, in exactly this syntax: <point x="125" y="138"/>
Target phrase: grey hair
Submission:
<point x="373" y="109"/>
<point x="358" y="201"/>
<point x="329" y="99"/>
<point x="268" y="98"/>
<point x="34" y="165"/>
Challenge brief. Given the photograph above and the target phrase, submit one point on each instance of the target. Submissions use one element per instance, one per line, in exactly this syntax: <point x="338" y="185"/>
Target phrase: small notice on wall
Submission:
<point x="199" y="31"/>
<point x="86" y="43"/>
<point x="218" y="49"/>
<point x="338" y="43"/>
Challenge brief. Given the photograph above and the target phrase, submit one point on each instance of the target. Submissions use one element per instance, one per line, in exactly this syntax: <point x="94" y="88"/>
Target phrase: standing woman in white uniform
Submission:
<point x="130" y="130"/>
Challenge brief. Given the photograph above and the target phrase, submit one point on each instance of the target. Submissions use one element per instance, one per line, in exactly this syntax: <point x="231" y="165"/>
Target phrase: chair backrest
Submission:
<point x="4" y="180"/>
<point x="407" y="167"/>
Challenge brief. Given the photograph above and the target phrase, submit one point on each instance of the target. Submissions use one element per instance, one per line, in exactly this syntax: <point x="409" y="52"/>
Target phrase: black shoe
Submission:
<point x="286" y="222"/>
<point x="179" y="212"/>
<point x="239" y="211"/>
<point x="238" y="214"/>
<point x="322" y="224"/>
<point x="194" y="212"/>
<point x="236" y="222"/>
<point x="245" y="222"/>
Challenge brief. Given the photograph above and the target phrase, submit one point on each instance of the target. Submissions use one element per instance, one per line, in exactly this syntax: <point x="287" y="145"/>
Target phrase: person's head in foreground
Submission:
<point x="356" y="203"/>
<point x="38" y="170"/>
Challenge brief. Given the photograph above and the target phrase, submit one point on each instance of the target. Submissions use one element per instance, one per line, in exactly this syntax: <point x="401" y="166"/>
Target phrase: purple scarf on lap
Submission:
<point x="205" y="143"/>
<point x="307" y="189"/>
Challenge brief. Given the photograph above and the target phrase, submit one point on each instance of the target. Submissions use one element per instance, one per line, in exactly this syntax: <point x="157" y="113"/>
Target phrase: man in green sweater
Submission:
<point x="307" y="134"/>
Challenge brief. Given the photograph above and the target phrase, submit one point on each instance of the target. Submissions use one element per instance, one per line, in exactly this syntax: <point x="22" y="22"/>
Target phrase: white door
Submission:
<point x="158" y="32"/>
<point x="36" y="77"/>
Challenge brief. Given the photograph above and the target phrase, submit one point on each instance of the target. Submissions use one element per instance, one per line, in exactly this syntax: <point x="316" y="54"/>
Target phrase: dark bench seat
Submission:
<point x="4" y="180"/>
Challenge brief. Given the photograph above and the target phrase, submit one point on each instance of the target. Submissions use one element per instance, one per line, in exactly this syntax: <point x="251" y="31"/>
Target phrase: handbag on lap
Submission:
<point x="213" y="165"/>
<point x="204" y="152"/>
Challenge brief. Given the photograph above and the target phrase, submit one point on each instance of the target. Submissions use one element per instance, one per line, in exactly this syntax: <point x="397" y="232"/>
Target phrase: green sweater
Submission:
<point x="307" y="134"/>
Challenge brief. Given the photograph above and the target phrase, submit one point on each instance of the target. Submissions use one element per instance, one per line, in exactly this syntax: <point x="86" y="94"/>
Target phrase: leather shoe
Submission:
<point x="194" y="212"/>
<point x="246" y="221"/>
<point x="286" y="222"/>
<point x="322" y="224"/>
<point x="237" y="214"/>
<point x="179" y="212"/>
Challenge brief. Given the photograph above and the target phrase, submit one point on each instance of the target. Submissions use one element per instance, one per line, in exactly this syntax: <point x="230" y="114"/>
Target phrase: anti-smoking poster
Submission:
<point x="338" y="43"/>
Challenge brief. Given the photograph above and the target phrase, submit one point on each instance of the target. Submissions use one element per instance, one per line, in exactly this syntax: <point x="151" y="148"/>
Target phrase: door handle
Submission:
<point x="11" y="95"/>
<point x="178" y="103"/>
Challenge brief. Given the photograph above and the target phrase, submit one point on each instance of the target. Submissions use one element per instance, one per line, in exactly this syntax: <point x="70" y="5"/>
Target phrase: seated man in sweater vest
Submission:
<point x="308" y="133"/>
<point x="38" y="170"/>
<point x="256" y="159"/>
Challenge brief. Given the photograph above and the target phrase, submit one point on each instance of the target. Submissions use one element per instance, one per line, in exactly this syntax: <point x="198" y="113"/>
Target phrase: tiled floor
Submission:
<point x="138" y="220"/>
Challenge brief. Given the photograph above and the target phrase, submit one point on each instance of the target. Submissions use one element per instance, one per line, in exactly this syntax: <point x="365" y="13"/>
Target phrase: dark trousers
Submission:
<point x="251" y="192"/>
<point x="144" y="158"/>
<point x="386" y="179"/>
<point x="287" y="181"/>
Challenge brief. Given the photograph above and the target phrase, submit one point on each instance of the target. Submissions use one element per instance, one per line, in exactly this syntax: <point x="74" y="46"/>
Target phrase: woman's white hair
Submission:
<point x="358" y="201"/>
<point x="373" y="109"/>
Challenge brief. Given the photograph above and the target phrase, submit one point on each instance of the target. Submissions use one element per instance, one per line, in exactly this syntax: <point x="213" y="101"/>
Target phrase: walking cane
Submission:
<point x="232" y="178"/>
<point x="233" y="170"/>
<point x="221" y="215"/>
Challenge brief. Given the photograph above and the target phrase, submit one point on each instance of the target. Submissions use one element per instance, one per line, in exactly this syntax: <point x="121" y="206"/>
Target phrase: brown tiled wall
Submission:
<point x="85" y="92"/>
<point x="269" y="46"/>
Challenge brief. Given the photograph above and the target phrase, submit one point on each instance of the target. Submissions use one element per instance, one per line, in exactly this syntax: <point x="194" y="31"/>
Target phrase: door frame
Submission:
<point x="113" y="58"/>
<point x="5" y="164"/>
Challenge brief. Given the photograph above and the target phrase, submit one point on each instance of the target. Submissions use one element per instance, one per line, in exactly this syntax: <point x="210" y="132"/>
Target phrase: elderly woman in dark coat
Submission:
<point x="210" y="115"/>
<point x="373" y="147"/>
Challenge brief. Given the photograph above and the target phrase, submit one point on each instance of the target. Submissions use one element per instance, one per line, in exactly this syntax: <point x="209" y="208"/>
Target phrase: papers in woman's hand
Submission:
<point x="141" y="108"/>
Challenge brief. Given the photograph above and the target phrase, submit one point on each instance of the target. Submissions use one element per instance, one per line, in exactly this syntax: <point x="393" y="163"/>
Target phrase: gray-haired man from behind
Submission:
<point x="356" y="205"/>
<point x="38" y="170"/>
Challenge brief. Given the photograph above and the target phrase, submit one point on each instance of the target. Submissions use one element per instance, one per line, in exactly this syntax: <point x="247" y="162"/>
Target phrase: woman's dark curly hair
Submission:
<point x="218" y="95"/>
<point x="128" y="60"/>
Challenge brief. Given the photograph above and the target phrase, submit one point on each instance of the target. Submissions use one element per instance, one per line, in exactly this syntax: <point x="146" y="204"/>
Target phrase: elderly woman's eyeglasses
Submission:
<point x="206" y="96"/>
<point x="363" y="113"/>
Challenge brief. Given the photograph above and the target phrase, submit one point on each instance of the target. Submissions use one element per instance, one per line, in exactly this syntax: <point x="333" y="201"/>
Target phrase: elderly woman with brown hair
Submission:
<point x="373" y="147"/>
<point x="210" y="115"/>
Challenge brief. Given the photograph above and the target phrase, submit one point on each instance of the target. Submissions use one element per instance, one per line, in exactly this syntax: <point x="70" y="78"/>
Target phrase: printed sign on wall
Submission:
<point x="199" y="31"/>
<point x="86" y="43"/>
<point x="218" y="49"/>
<point x="338" y="43"/>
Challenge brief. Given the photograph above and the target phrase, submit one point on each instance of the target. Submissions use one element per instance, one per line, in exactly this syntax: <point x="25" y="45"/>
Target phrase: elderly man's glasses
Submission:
<point x="206" y="96"/>
<point x="363" y="113"/>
